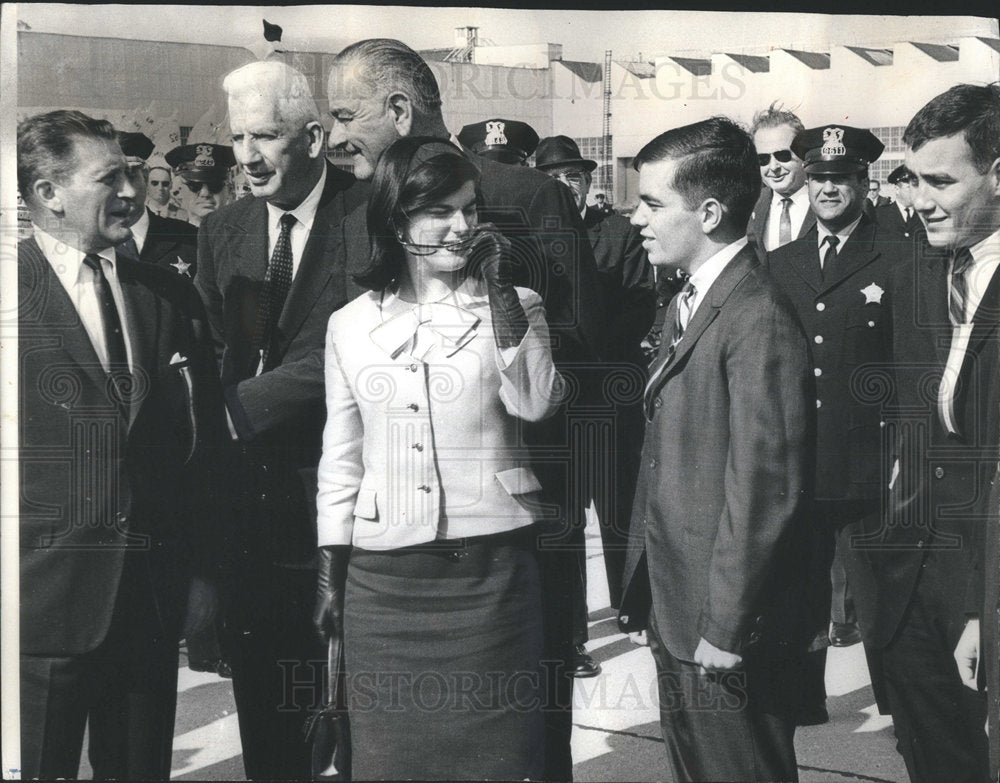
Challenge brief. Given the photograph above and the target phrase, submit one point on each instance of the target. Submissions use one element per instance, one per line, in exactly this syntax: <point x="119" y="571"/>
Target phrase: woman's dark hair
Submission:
<point x="413" y="173"/>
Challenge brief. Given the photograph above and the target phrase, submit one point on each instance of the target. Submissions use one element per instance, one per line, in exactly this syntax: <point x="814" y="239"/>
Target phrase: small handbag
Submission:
<point x="328" y="729"/>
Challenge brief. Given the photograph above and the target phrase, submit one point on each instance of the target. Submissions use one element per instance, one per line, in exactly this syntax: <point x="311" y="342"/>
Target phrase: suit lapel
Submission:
<point x="807" y="224"/>
<point x="316" y="265"/>
<point x="932" y="299"/>
<point x="140" y="306"/>
<point x="247" y="231"/>
<point x="804" y="261"/>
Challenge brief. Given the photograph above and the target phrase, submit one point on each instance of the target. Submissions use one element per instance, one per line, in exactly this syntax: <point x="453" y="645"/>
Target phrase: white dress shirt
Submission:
<point x="796" y="212"/>
<point x="842" y="236"/>
<point x="304" y="213"/>
<point x="709" y="272"/>
<point x="985" y="260"/>
<point x="80" y="282"/>
<point x="139" y="230"/>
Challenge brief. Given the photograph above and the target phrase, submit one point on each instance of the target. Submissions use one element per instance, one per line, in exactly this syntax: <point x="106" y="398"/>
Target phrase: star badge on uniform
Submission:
<point x="873" y="293"/>
<point x="182" y="267"/>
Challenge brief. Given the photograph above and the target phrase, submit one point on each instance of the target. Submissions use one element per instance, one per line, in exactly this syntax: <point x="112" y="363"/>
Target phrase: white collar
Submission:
<point x="140" y="229"/>
<point x="843" y="235"/>
<point x="799" y="198"/>
<point x="66" y="261"/>
<point x="709" y="271"/>
<point x="986" y="249"/>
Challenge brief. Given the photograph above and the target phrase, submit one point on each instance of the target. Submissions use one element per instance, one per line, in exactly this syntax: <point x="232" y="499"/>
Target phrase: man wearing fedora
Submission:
<point x="629" y="304"/>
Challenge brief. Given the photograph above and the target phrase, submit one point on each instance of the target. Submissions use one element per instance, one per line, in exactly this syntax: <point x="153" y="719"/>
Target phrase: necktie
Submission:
<point x="681" y="317"/>
<point x="830" y="255"/>
<point x="785" y="223"/>
<point x="959" y="287"/>
<point x="909" y="214"/>
<point x="277" y="281"/>
<point x="129" y="248"/>
<point x="114" y="338"/>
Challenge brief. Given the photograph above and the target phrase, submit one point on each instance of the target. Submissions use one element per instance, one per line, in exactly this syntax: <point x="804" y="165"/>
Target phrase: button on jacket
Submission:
<point x="422" y="439"/>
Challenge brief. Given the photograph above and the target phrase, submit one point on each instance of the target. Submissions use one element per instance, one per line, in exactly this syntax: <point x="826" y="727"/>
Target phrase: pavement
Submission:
<point x="616" y="734"/>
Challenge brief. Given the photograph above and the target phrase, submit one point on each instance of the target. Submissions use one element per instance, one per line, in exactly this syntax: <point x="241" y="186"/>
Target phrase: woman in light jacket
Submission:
<point x="425" y="503"/>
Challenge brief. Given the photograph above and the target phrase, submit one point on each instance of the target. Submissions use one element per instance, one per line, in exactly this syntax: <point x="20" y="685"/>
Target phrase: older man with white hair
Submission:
<point x="271" y="271"/>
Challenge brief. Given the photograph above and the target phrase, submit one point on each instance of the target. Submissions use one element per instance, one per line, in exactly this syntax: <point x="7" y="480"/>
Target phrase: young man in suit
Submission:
<point x="380" y="90"/>
<point x="155" y="239"/>
<point x="947" y="392"/>
<point x="782" y="211"/>
<point x="271" y="271"/>
<point x="717" y="534"/>
<point x="630" y="304"/>
<point x="899" y="218"/>
<point x="123" y="506"/>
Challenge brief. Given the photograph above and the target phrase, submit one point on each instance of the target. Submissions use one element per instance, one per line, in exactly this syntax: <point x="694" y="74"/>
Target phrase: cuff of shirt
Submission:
<point x="237" y="414"/>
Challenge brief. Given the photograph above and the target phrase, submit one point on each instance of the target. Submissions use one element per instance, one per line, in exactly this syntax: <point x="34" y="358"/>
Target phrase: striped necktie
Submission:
<point x="959" y="292"/>
<point x="681" y="317"/>
<point x="114" y="336"/>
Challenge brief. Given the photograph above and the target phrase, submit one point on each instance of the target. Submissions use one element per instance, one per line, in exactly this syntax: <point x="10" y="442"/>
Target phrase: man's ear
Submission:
<point x="712" y="213"/>
<point x="48" y="194"/>
<point x="401" y="108"/>
<point x="994" y="175"/>
<point x="317" y="139"/>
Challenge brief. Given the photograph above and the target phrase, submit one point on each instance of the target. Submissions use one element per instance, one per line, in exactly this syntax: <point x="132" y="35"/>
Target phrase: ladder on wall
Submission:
<point x="606" y="180"/>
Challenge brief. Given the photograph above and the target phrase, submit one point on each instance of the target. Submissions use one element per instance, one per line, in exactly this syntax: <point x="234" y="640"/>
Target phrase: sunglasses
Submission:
<point x="157" y="183"/>
<point x="213" y="187"/>
<point x="782" y="156"/>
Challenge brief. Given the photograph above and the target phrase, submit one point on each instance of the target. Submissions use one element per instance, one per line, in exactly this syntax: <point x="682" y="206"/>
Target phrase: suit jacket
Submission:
<point x="626" y="283"/>
<point x="279" y="414"/>
<point x="846" y="312"/>
<point x="757" y="226"/>
<point x="423" y="437"/>
<point x="717" y="540"/>
<point x="97" y="477"/>
<point x="937" y="501"/>
<point x="988" y="609"/>
<point x="891" y="222"/>
<point x="171" y="243"/>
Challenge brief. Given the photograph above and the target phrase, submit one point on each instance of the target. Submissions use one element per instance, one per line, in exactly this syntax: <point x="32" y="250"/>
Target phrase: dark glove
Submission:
<point x="328" y="615"/>
<point x="492" y="260"/>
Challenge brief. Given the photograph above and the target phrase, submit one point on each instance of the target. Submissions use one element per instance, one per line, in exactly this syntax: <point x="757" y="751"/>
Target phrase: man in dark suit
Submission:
<point x="782" y="211"/>
<point x="945" y="338"/>
<point x="629" y="304"/>
<point x="839" y="296"/>
<point x="899" y="219"/>
<point x="122" y="504"/>
<point x="717" y="534"/>
<point x="155" y="240"/>
<point x="380" y="90"/>
<point x="271" y="271"/>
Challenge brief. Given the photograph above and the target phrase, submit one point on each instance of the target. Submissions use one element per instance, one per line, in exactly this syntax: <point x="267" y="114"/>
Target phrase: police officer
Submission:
<point x="204" y="170"/>
<point x="900" y="218"/>
<point x="505" y="141"/>
<point x="836" y="276"/>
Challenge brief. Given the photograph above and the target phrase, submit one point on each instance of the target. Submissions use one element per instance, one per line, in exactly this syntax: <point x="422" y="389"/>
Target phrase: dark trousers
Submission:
<point x="939" y="723"/>
<point x="277" y="660"/>
<point x="126" y="689"/>
<point x="713" y="725"/>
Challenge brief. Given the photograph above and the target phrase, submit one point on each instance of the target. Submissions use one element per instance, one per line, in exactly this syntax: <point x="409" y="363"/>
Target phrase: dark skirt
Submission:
<point x="442" y="646"/>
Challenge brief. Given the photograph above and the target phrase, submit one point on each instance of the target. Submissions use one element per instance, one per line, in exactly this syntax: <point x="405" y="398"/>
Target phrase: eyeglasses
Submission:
<point x="213" y="187"/>
<point x="782" y="156"/>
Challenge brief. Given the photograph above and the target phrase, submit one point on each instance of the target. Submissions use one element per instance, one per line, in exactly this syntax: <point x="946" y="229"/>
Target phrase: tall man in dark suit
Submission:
<point x="717" y="534"/>
<point x="836" y="277"/>
<point x="380" y="90"/>
<point x="155" y="239"/>
<point x="122" y="508"/>
<point x="782" y="211"/>
<point x="626" y="281"/>
<point x="271" y="270"/>
<point x="946" y="339"/>
<point x="899" y="218"/>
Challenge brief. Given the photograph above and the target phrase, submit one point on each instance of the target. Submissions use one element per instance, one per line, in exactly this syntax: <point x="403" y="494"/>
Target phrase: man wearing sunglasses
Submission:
<point x="204" y="171"/>
<point x="782" y="212"/>
<point x="155" y="239"/>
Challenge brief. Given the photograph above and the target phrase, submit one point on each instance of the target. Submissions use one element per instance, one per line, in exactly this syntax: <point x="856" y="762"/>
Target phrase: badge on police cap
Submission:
<point x="203" y="156"/>
<point x="494" y="133"/>
<point x="833" y="142"/>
